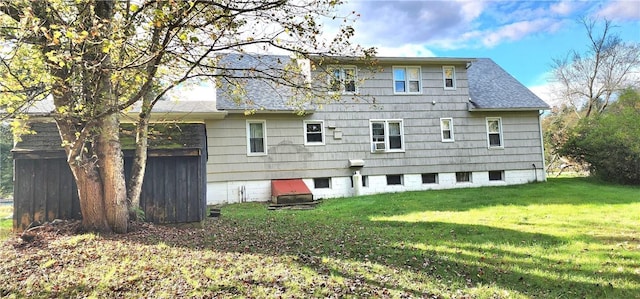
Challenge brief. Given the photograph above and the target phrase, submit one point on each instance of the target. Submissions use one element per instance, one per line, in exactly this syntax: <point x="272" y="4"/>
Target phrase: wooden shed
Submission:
<point x="173" y="190"/>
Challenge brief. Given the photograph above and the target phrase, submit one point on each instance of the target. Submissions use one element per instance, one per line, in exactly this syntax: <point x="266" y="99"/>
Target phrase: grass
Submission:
<point x="567" y="238"/>
<point x="6" y="224"/>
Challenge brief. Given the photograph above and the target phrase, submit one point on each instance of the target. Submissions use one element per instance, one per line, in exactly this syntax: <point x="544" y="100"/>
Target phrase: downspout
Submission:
<point x="544" y="175"/>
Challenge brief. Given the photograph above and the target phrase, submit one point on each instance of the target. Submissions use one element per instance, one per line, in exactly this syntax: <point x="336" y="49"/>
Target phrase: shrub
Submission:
<point x="610" y="142"/>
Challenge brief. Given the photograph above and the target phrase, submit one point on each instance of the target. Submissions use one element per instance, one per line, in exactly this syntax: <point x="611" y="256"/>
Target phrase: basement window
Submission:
<point x="322" y="183"/>
<point x="394" y="179"/>
<point x="463" y="177"/>
<point x="429" y="178"/>
<point x="497" y="175"/>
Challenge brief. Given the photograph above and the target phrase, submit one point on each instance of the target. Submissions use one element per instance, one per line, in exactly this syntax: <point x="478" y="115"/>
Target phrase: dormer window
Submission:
<point x="407" y="79"/>
<point x="342" y="79"/>
<point x="449" y="77"/>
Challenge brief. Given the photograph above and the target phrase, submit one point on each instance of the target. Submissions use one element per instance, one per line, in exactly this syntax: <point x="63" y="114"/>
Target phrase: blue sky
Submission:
<point x="521" y="36"/>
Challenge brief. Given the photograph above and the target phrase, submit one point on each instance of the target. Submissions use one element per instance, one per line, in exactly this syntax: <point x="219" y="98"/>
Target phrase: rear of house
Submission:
<point x="412" y="124"/>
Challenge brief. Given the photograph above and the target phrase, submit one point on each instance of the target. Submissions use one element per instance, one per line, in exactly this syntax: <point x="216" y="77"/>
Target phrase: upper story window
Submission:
<point x="449" y="77"/>
<point x="256" y="137"/>
<point x="343" y="79"/>
<point x="407" y="79"/>
<point x="494" y="132"/>
<point x="446" y="129"/>
<point x="387" y="136"/>
<point x="313" y="132"/>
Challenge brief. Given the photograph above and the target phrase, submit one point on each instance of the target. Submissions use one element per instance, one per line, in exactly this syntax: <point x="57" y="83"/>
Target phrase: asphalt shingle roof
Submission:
<point x="258" y="93"/>
<point x="492" y="88"/>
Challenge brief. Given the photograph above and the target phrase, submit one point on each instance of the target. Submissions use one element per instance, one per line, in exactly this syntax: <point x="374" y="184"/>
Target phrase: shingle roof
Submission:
<point x="492" y="88"/>
<point x="258" y="93"/>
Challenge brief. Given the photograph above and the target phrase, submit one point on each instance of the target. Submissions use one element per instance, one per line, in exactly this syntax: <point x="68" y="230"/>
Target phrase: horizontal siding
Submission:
<point x="288" y="157"/>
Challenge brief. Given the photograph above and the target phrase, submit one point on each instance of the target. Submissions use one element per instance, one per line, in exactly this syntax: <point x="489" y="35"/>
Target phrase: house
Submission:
<point x="407" y="124"/>
<point x="429" y="123"/>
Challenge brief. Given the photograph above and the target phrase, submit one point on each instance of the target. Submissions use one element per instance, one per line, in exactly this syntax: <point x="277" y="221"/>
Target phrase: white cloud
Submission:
<point x="547" y="92"/>
<point x="518" y="30"/>
<point x="621" y="10"/>
<point x="447" y="25"/>
<point x="562" y="8"/>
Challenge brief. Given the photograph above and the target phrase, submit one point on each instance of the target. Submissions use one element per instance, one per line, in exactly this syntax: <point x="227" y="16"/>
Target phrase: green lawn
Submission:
<point x="567" y="238"/>
<point x="5" y="224"/>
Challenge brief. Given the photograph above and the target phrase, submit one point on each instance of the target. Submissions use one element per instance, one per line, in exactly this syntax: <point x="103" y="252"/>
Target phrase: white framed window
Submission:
<point x="494" y="132"/>
<point x="386" y="135"/>
<point x="343" y="79"/>
<point x="449" y="77"/>
<point x="446" y="129"/>
<point x="407" y="79"/>
<point x="256" y="137"/>
<point x="313" y="132"/>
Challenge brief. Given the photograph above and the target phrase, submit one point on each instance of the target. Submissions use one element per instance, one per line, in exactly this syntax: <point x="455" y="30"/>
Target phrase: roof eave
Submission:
<point x="509" y="109"/>
<point x="270" y="111"/>
<point x="389" y="59"/>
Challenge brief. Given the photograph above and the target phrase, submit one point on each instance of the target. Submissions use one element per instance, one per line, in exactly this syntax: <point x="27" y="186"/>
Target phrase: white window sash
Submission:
<point x="260" y="133"/>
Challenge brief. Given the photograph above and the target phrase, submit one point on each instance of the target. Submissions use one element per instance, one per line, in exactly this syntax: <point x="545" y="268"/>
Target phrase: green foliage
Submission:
<point x="138" y="212"/>
<point x="610" y="142"/>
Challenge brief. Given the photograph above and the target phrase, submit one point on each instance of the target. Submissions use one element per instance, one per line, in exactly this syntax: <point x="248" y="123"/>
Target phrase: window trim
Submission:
<point x="450" y="119"/>
<point x="387" y="148"/>
<point x="341" y="68"/>
<point x="500" y="133"/>
<point x="264" y="137"/>
<point x="406" y="79"/>
<point x="444" y="77"/>
<point x="321" y="123"/>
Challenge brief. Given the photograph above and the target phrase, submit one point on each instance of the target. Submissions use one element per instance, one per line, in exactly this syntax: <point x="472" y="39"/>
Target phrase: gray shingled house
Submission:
<point x="436" y="123"/>
<point x="413" y="124"/>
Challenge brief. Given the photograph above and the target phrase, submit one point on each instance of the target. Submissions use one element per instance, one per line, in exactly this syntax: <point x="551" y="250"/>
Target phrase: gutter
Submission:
<point x="471" y="109"/>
